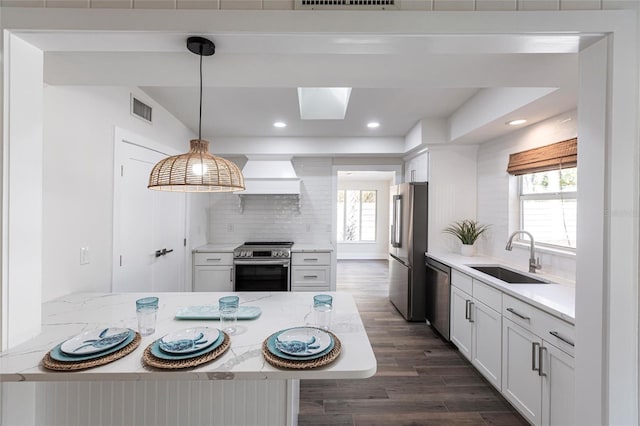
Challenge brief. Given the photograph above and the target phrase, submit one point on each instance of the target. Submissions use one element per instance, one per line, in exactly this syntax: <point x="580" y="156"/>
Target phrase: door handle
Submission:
<point x="535" y="347"/>
<point x="467" y="313"/>
<point x="162" y="252"/>
<point x="471" y="305"/>
<point x="541" y="349"/>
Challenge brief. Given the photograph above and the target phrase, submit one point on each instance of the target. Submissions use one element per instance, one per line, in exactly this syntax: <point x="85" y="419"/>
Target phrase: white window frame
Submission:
<point x="344" y="222"/>
<point x="565" y="195"/>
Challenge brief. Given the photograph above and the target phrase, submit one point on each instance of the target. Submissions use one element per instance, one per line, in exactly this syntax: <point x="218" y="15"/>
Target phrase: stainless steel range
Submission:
<point x="263" y="266"/>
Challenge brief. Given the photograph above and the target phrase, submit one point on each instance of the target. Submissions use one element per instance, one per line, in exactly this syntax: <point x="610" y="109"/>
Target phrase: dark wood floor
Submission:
<point x="421" y="380"/>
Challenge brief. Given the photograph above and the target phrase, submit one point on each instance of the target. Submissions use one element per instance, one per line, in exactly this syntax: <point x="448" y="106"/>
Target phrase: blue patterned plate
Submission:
<point x="271" y="346"/>
<point x="211" y="312"/>
<point x="94" y="341"/>
<point x="188" y="340"/>
<point x="159" y="353"/>
<point x="58" y="355"/>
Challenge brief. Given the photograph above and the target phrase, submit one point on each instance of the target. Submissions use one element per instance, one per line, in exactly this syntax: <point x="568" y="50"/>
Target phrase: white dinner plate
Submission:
<point x="303" y="341"/>
<point x="188" y="340"/>
<point x="93" y="341"/>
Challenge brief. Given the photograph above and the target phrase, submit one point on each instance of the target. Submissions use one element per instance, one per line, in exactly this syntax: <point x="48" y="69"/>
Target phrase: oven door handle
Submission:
<point x="284" y="263"/>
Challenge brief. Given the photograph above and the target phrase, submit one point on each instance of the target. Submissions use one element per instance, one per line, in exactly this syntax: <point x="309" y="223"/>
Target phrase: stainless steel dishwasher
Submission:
<point x="438" y="295"/>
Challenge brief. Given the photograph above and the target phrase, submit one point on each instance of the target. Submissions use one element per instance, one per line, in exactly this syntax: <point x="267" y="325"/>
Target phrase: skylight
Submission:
<point x="323" y="103"/>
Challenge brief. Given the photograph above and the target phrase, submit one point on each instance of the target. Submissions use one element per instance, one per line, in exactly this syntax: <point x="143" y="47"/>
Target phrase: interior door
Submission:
<point x="146" y="222"/>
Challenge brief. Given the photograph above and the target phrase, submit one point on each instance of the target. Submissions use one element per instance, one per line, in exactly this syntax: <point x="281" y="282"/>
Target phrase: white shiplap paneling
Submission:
<point x="158" y="403"/>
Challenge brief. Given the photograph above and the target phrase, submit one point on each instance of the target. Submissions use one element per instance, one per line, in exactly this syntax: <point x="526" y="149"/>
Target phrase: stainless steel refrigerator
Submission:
<point x="408" y="243"/>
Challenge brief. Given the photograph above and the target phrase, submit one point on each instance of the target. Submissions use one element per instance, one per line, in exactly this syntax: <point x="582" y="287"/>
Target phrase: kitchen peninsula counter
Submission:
<point x="69" y="315"/>
<point x="261" y="394"/>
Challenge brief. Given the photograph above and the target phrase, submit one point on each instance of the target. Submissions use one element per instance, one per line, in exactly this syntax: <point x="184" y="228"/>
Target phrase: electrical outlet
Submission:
<point x="230" y="227"/>
<point x="84" y="255"/>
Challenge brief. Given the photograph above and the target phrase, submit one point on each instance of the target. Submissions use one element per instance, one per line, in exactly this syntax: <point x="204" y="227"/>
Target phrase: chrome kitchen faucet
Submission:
<point x="533" y="262"/>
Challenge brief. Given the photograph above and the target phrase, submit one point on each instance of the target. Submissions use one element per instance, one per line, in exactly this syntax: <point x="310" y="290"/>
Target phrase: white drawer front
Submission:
<point x="310" y="258"/>
<point x="487" y="295"/>
<point x="213" y="259"/>
<point x="309" y="276"/>
<point x="462" y="281"/>
<point x="521" y="313"/>
<point x="558" y="332"/>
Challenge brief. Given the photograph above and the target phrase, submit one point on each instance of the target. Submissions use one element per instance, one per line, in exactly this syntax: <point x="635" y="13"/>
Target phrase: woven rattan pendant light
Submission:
<point x="197" y="170"/>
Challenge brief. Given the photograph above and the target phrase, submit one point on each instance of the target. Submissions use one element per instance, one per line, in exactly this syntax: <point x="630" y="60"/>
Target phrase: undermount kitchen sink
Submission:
<point x="508" y="275"/>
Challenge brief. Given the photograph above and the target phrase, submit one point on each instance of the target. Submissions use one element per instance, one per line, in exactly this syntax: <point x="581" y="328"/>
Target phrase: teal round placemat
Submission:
<point x="57" y="354"/>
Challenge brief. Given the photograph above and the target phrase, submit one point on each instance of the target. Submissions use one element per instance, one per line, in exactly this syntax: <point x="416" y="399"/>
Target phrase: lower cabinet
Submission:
<point x="558" y="387"/>
<point x="523" y="351"/>
<point x="476" y="330"/>
<point x="538" y="377"/>
<point x="486" y="353"/>
<point x="213" y="278"/>
<point x="213" y="271"/>
<point x="311" y="271"/>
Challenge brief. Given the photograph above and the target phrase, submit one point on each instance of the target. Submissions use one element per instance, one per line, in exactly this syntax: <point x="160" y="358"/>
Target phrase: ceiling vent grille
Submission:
<point x="141" y="110"/>
<point x="347" y="4"/>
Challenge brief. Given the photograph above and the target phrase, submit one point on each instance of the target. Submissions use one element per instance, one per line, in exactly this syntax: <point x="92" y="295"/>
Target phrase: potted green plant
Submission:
<point x="467" y="231"/>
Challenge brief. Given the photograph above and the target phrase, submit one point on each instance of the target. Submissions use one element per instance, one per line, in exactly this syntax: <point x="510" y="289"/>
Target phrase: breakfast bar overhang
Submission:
<point x="239" y="387"/>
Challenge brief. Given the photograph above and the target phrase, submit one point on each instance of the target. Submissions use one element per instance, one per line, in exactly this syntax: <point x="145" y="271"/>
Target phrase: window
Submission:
<point x="357" y="215"/>
<point x="548" y="206"/>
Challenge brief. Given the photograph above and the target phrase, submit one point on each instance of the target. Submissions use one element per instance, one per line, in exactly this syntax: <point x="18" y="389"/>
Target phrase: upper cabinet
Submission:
<point x="416" y="169"/>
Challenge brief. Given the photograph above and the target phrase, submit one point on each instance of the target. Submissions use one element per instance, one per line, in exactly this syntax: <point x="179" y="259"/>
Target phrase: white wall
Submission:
<point x="22" y="178"/>
<point x="79" y="124"/>
<point x="380" y="248"/>
<point x="276" y="217"/>
<point x="496" y="207"/>
<point x="452" y="192"/>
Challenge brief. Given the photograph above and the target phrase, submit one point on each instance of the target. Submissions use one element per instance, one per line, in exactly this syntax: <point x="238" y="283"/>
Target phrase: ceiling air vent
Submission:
<point x="140" y="109"/>
<point x="347" y="4"/>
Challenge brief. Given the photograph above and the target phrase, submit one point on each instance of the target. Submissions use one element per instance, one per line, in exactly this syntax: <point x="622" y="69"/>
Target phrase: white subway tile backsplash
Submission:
<point x="495" y="205"/>
<point x="278" y="217"/>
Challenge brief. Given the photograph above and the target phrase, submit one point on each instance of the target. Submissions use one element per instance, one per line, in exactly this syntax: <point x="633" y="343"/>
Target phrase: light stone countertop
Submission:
<point x="217" y="248"/>
<point x="311" y="248"/>
<point x="67" y="316"/>
<point x="557" y="299"/>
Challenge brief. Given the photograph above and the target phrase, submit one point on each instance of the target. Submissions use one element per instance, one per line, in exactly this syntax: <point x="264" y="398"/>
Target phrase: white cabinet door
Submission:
<point x="558" y="387"/>
<point x="487" y="342"/>
<point x="460" y="325"/>
<point x="213" y="278"/>
<point x="521" y="384"/>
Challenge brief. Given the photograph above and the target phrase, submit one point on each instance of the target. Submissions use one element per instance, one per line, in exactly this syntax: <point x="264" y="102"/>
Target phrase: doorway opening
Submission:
<point x="362" y="214"/>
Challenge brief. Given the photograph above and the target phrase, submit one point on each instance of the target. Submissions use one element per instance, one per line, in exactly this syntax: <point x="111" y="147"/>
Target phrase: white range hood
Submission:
<point x="270" y="176"/>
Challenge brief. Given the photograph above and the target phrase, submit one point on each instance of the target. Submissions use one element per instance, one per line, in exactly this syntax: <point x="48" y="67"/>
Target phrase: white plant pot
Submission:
<point x="467" y="250"/>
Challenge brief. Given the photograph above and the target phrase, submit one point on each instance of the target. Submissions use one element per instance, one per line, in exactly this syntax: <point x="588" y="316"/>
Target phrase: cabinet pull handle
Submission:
<point x="310" y="276"/>
<point x="231" y="274"/>
<point x="534" y="350"/>
<point x="564" y="339"/>
<point x="471" y="305"/>
<point x="541" y="373"/>
<point x="467" y="315"/>
<point x="209" y="259"/>
<point x="513" y="311"/>
<point x="309" y="259"/>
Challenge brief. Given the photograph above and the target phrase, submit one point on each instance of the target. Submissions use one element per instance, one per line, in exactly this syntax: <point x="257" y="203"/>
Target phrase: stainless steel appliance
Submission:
<point x="408" y="243"/>
<point x="438" y="296"/>
<point x="262" y="266"/>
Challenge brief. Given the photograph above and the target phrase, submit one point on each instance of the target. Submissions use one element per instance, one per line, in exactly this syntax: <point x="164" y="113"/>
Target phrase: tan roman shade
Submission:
<point x="550" y="157"/>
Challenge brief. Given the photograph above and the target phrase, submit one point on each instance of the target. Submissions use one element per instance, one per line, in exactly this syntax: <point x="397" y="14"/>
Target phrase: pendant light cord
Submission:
<point x="200" y="116"/>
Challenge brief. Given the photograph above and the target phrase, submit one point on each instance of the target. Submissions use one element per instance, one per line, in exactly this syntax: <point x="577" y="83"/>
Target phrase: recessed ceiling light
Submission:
<point x="279" y="124"/>
<point x="373" y="124"/>
<point x="516" y="122"/>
